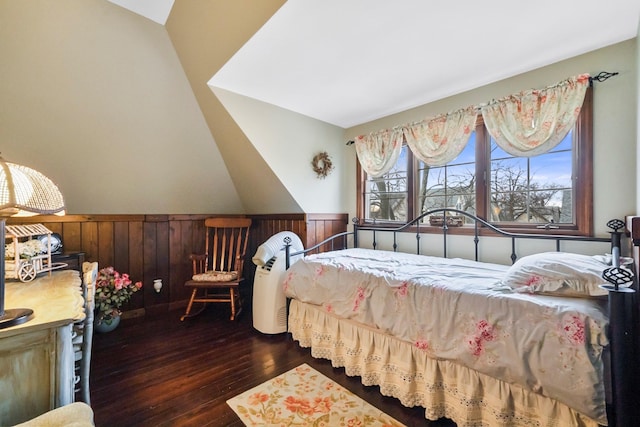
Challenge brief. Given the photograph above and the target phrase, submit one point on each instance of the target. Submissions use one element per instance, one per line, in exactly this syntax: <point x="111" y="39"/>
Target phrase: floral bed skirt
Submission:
<point x="403" y="371"/>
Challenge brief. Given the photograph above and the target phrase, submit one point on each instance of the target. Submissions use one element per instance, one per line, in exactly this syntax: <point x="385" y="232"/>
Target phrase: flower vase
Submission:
<point x="103" y="326"/>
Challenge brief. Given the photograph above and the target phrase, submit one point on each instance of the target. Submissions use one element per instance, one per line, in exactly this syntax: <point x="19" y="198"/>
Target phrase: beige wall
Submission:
<point x="205" y="35"/>
<point x="268" y="149"/>
<point x="287" y="142"/>
<point x="95" y="97"/>
<point x="615" y="118"/>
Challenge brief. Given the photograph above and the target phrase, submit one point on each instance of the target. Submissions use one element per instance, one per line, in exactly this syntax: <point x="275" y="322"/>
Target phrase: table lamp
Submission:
<point x="23" y="192"/>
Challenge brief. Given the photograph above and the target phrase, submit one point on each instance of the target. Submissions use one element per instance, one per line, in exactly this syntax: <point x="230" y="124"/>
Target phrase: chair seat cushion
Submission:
<point x="216" y="276"/>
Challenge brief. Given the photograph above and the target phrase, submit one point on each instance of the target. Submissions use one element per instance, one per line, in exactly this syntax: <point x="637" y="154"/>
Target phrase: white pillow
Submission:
<point x="558" y="273"/>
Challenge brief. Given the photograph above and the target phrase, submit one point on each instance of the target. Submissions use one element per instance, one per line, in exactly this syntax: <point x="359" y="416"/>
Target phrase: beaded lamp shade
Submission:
<point x="23" y="192"/>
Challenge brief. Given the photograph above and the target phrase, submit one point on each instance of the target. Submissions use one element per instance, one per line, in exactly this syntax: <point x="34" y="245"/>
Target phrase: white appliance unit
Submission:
<point x="269" y="301"/>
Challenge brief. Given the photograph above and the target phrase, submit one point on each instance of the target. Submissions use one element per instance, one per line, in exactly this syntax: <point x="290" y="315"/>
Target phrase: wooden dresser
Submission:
<point x="36" y="357"/>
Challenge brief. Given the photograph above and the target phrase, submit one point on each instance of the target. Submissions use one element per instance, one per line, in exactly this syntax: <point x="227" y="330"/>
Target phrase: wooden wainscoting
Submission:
<point x="152" y="247"/>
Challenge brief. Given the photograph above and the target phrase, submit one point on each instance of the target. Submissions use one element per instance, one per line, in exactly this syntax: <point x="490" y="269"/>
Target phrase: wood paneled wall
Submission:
<point x="152" y="247"/>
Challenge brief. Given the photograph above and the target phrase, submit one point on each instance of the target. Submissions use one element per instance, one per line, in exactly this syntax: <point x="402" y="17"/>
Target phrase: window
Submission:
<point x="387" y="196"/>
<point x="532" y="190"/>
<point x="554" y="188"/>
<point x="451" y="185"/>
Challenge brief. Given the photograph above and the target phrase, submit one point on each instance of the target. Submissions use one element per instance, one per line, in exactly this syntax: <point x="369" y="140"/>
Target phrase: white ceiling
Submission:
<point x="156" y="10"/>
<point x="347" y="62"/>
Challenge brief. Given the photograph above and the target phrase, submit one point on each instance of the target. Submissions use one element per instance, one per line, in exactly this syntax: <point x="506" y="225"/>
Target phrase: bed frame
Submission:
<point x="623" y="308"/>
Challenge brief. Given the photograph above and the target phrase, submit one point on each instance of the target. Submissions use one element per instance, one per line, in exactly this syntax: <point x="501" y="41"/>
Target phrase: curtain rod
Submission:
<point x="600" y="77"/>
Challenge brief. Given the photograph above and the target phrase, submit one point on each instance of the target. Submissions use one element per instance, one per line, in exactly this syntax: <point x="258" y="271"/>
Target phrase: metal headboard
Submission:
<point x="418" y="228"/>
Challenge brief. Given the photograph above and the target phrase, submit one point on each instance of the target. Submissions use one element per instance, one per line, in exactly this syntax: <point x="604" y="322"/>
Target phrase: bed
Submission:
<point x="523" y="343"/>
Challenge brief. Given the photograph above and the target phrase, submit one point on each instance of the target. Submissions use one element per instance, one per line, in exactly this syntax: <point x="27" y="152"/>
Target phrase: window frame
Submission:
<point x="582" y="182"/>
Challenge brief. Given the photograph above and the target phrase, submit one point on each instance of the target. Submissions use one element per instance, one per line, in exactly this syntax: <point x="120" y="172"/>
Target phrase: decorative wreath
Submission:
<point x="321" y="164"/>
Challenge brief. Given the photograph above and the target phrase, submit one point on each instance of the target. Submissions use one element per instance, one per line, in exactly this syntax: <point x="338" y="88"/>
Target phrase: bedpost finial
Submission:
<point x="615" y="224"/>
<point x="617" y="276"/>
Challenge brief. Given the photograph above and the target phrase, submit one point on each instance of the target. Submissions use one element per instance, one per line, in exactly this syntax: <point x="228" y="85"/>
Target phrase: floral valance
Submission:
<point x="436" y="141"/>
<point x="439" y="140"/>
<point x="534" y="121"/>
<point x="378" y="152"/>
<point x="524" y="124"/>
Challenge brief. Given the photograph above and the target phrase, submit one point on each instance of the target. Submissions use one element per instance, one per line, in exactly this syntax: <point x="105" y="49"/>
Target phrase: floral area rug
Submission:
<point x="305" y="397"/>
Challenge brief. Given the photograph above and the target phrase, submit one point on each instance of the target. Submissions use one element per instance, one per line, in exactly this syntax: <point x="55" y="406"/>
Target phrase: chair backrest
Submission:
<point x="90" y="277"/>
<point x="226" y="243"/>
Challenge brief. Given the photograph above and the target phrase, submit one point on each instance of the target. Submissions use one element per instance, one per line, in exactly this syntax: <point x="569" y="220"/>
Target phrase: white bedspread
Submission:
<point x="452" y="310"/>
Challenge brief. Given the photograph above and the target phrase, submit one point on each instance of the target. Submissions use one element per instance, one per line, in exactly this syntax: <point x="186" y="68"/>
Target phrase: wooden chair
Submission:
<point x="83" y="331"/>
<point x="217" y="273"/>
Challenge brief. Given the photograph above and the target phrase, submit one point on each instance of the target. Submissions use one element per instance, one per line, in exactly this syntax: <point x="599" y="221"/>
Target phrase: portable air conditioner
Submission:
<point x="269" y="302"/>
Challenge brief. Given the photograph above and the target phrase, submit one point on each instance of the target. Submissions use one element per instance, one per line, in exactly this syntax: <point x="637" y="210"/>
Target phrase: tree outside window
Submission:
<point x="386" y="196"/>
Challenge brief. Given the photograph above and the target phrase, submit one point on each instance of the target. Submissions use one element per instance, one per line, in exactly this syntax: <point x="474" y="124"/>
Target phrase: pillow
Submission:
<point x="216" y="276"/>
<point x="558" y="273"/>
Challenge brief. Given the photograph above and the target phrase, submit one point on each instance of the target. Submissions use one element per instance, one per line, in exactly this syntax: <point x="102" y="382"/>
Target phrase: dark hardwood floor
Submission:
<point x="163" y="372"/>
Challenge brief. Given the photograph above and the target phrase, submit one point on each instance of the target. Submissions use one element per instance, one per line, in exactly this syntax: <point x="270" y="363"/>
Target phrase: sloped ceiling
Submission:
<point x="347" y="62"/>
<point x="205" y="34"/>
